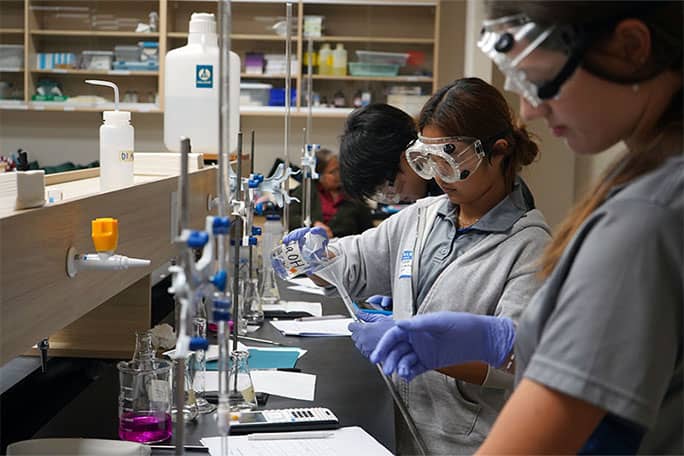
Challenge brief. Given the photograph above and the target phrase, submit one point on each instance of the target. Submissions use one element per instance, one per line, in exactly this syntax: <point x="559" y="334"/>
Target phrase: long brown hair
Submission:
<point x="664" y="22"/>
<point x="471" y="107"/>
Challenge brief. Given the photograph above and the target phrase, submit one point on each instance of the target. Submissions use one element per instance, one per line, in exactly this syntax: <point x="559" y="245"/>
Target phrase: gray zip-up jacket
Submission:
<point x="495" y="276"/>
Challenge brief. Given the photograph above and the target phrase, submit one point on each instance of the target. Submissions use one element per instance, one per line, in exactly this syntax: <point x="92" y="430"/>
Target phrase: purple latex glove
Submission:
<point x="383" y="301"/>
<point x="366" y="335"/>
<point x="312" y="244"/>
<point x="441" y="339"/>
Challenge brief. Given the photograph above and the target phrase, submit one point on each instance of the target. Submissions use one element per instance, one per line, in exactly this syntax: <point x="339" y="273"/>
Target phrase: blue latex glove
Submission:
<point x="441" y="339"/>
<point x="383" y="301"/>
<point x="366" y="335"/>
<point x="312" y="244"/>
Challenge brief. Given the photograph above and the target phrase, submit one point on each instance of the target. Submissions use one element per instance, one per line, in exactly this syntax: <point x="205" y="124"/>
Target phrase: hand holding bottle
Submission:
<point x="303" y="251"/>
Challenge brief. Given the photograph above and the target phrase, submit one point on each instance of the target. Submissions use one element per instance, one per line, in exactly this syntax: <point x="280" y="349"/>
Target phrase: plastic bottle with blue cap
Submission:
<point x="117" y="141"/>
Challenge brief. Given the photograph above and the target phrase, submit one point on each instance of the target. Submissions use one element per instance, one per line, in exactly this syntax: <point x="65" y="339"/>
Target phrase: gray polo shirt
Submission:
<point x="607" y="325"/>
<point x="446" y="241"/>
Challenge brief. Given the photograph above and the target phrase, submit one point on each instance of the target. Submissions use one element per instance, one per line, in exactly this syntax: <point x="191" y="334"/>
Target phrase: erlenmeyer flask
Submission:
<point x="273" y="232"/>
<point x="199" y="327"/>
<point x="241" y="395"/>
<point x="253" y="312"/>
<point x="144" y="351"/>
<point x="269" y="288"/>
<point x="190" y="410"/>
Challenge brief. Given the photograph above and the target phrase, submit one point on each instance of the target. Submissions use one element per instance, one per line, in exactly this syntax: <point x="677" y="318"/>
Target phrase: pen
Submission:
<point x="198" y="448"/>
<point x="290" y="435"/>
<point x="263" y="341"/>
<point x="324" y="317"/>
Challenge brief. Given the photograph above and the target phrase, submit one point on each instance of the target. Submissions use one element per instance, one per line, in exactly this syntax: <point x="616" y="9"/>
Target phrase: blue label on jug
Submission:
<point x="204" y="76"/>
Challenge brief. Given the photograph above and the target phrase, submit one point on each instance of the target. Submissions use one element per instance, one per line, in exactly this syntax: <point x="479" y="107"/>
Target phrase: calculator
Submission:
<point x="283" y="420"/>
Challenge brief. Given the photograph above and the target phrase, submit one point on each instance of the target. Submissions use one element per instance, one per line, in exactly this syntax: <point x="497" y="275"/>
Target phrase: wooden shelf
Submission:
<point x="93" y="33"/>
<point x="279" y="111"/>
<point x="11" y="70"/>
<point x="264" y="76"/>
<point x="11" y="31"/>
<point x="425" y="79"/>
<point x="374" y="39"/>
<point x="72" y="107"/>
<point x="98" y="72"/>
<point x="237" y="36"/>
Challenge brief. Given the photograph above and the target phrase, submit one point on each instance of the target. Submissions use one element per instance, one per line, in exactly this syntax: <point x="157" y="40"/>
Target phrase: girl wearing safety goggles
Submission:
<point x="598" y="354"/>
<point x="472" y="250"/>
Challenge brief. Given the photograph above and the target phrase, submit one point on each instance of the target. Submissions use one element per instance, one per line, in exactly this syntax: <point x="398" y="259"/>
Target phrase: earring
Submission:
<point x="635" y="88"/>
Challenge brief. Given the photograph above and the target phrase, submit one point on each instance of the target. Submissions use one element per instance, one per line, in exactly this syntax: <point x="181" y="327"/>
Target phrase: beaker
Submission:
<point x="190" y="410"/>
<point x="241" y="395"/>
<point x="253" y="312"/>
<point x="144" y="400"/>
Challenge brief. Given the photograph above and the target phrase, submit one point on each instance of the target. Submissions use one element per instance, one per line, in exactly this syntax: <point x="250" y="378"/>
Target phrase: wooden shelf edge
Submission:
<point x="95" y="33"/>
<point x="417" y="79"/>
<point x="374" y="39"/>
<point x="98" y="72"/>
<point x="236" y="36"/>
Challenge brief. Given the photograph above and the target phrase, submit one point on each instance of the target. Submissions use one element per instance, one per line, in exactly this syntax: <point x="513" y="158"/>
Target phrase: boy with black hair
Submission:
<point x="372" y="162"/>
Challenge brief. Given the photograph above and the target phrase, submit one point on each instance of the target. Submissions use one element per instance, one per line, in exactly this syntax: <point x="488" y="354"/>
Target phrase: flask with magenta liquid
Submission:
<point x="144" y="395"/>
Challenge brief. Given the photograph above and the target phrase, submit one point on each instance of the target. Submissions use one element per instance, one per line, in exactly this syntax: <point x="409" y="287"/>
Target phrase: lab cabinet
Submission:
<point x="95" y="313"/>
<point x="67" y="41"/>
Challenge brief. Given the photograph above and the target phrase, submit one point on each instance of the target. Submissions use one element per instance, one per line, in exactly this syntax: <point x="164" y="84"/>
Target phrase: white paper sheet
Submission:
<point x="343" y="442"/>
<point x="212" y="352"/>
<point x="314" y="328"/>
<point x="286" y="384"/>
<point x="316" y="291"/>
<point x="303" y="281"/>
<point x="313" y="308"/>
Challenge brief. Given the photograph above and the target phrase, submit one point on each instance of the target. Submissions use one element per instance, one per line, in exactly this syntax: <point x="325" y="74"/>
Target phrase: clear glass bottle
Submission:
<point x="241" y="395"/>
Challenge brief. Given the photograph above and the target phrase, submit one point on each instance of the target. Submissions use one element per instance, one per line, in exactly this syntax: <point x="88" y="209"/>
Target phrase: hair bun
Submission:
<point x="527" y="148"/>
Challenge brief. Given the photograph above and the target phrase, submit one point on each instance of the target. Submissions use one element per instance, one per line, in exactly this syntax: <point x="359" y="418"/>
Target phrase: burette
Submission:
<point x="288" y="113"/>
<point x="225" y="197"/>
<point x="308" y="150"/>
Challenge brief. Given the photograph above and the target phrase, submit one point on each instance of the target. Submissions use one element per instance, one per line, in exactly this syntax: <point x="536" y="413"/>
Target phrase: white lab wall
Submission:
<point x="58" y="137"/>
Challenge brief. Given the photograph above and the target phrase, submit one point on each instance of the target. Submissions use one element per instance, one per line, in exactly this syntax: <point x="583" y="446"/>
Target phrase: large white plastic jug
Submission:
<point x="191" y="90"/>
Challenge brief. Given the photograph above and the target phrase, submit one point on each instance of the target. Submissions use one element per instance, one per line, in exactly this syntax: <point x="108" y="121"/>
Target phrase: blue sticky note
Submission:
<point x="266" y="359"/>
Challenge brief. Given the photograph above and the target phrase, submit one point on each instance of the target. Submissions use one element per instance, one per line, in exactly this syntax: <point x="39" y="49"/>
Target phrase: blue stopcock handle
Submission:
<point x="221" y="225"/>
<point x="255" y="180"/>
<point x="198" y="239"/>
<point x="256" y="231"/>
<point x="198" y="343"/>
<point x="219" y="280"/>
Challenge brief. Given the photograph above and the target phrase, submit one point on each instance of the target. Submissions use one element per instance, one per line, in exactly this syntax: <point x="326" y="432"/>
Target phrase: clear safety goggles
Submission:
<point x="536" y="60"/>
<point x="451" y="159"/>
<point x="388" y="193"/>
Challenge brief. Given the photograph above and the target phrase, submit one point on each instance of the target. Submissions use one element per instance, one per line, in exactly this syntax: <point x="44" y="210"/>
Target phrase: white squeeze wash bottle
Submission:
<point x="117" y="139"/>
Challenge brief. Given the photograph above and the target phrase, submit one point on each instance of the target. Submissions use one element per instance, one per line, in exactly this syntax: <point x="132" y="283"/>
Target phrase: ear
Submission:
<point x="633" y="39"/>
<point x="500" y="147"/>
<point x="626" y="51"/>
